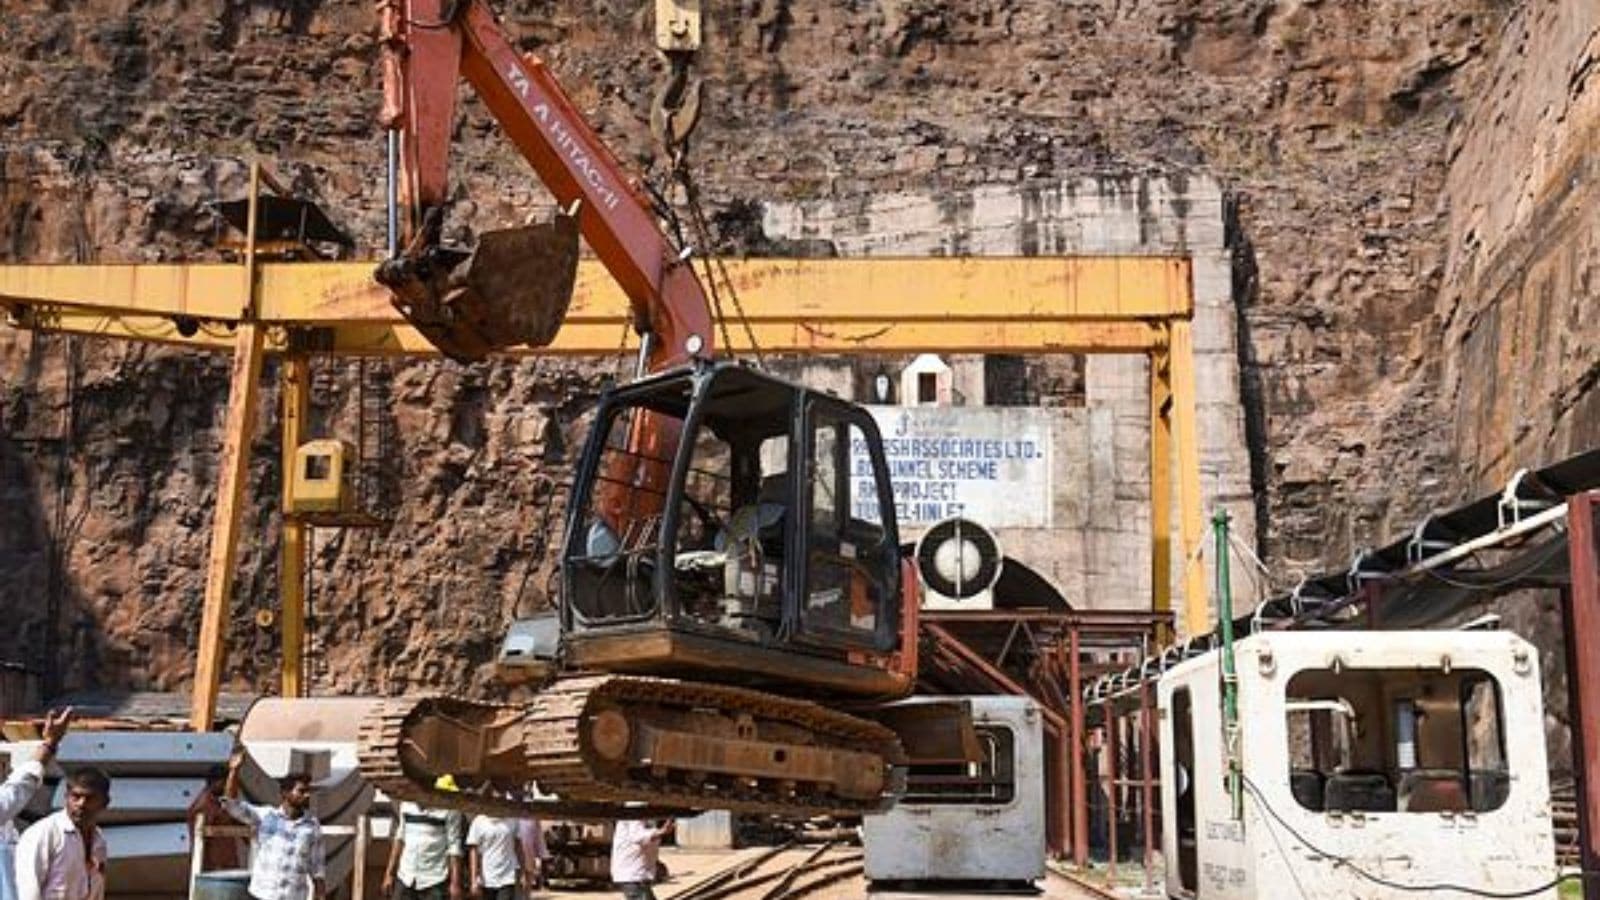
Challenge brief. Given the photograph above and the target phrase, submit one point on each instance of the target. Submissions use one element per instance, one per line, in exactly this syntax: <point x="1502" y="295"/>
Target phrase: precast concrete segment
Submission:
<point x="156" y="753"/>
<point x="310" y="720"/>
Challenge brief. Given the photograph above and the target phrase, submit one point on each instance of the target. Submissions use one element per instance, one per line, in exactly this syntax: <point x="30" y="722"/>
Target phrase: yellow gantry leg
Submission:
<point x="242" y="396"/>
<point x="1161" y="489"/>
<point x="1197" y="608"/>
<point x="295" y="383"/>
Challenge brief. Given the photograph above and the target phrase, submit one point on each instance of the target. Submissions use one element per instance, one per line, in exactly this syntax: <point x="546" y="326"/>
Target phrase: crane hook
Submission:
<point x="675" y="110"/>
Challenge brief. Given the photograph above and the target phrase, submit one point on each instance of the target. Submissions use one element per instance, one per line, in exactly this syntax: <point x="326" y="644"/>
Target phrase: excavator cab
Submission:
<point x="729" y="525"/>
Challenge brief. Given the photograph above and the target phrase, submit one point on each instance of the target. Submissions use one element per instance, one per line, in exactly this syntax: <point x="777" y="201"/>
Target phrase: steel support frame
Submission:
<point x="949" y="643"/>
<point x="1582" y="627"/>
<point x="1068" y="665"/>
<point x="1110" y="743"/>
<point x="1185" y="430"/>
<point x="1080" y="796"/>
<point x="294" y="382"/>
<point x="1129" y="731"/>
<point x="1161" y="404"/>
<point x="243" y="394"/>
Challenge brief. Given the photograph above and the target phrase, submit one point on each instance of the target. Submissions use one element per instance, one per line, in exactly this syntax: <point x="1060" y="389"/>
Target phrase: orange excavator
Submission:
<point x="735" y="618"/>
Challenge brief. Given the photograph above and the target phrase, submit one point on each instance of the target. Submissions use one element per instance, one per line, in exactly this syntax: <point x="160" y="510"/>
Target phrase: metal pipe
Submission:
<point x="1080" y="795"/>
<point x="1582" y="626"/>
<point x="642" y="365"/>
<point x="1111" y="747"/>
<point x="1499" y="535"/>
<point x="392" y="189"/>
<point x="1147" y="780"/>
<point x="1230" y="674"/>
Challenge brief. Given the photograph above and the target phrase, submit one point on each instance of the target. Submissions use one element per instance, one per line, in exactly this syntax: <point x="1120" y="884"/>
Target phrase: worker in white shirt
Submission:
<point x="63" y="855"/>
<point x="635" y="845"/>
<point x="495" y="857"/>
<point x="19" y="788"/>
<point x="425" y="856"/>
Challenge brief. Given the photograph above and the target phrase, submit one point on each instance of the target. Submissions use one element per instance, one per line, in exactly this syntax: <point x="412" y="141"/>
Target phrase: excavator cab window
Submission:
<point x="711" y="505"/>
<point x="614" y="548"/>
<point x="686" y="516"/>
<point x="850" y="561"/>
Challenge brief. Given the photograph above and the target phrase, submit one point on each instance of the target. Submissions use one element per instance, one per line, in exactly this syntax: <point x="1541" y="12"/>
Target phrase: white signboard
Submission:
<point x="990" y="464"/>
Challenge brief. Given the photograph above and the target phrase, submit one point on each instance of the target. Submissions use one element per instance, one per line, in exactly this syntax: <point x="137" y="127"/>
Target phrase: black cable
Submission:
<point x="1395" y="885"/>
<point x="1495" y="583"/>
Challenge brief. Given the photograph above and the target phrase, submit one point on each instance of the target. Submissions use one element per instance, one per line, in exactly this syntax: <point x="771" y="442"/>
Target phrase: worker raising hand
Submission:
<point x="54" y="729"/>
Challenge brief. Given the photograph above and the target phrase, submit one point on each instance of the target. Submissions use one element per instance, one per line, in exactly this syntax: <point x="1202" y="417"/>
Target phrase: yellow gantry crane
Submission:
<point x="882" y="306"/>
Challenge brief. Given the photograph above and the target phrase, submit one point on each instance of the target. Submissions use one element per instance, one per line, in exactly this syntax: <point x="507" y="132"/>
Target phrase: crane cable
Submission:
<point x="674" y="115"/>
<point x="714" y="266"/>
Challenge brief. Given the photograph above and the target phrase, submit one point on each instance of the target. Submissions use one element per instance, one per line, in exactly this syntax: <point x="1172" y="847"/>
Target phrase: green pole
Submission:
<point x="1230" y="676"/>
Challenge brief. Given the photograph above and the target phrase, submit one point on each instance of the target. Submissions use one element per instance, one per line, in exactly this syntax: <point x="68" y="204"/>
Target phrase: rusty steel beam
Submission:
<point x="1080" y="796"/>
<point x="1113" y="724"/>
<point x="1147" y="783"/>
<point x="1132" y="621"/>
<point x="1058" y="799"/>
<point x="973" y="659"/>
<point x="1582" y="621"/>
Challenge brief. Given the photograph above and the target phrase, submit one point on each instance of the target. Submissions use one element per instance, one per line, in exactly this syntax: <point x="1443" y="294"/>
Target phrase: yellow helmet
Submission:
<point x="446" y="782"/>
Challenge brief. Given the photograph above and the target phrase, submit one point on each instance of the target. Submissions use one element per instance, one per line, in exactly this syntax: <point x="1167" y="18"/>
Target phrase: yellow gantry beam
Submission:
<point x="1018" y="305"/>
<point x="1111" y="304"/>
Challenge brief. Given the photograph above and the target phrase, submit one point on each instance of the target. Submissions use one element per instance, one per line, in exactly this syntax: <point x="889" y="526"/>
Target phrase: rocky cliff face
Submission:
<point x="1523" y="265"/>
<point x="1522" y="278"/>
<point x="1342" y="133"/>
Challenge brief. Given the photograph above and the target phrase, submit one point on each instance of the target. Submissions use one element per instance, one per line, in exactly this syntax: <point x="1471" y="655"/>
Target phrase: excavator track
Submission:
<point x="610" y="747"/>
<point x="379" y="753"/>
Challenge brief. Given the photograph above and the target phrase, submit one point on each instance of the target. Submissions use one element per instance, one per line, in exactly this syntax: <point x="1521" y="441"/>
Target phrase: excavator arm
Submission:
<point x="514" y="288"/>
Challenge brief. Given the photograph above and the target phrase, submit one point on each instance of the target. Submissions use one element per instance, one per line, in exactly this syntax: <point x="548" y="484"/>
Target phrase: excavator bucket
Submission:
<point x="512" y="290"/>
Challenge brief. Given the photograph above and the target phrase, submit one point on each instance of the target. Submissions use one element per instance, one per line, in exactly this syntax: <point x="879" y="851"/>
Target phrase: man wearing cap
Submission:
<point x="425" y="855"/>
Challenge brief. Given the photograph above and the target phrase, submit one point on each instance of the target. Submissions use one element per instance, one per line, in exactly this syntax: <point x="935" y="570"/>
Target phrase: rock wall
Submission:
<point x="1327" y="126"/>
<point x="1522" y="278"/>
<point x="1522" y="283"/>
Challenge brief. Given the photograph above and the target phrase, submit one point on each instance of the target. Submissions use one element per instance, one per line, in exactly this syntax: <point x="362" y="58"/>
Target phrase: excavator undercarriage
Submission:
<point x="587" y="745"/>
